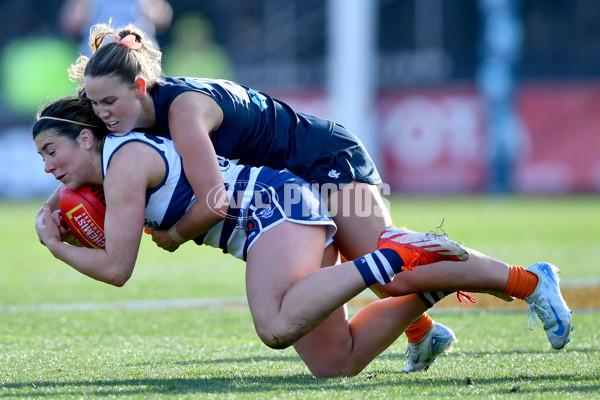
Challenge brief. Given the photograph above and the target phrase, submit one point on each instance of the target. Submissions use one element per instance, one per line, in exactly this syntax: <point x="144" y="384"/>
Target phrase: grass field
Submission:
<point x="179" y="328"/>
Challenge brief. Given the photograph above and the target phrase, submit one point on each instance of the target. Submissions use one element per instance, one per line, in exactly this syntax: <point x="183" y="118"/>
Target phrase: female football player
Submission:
<point x="123" y="80"/>
<point x="293" y="301"/>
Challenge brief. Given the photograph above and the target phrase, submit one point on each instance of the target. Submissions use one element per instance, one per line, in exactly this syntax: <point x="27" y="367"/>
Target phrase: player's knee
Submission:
<point x="275" y="336"/>
<point x="275" y="340"/>
<point x="279" y="335"/>
<point x="325" y="371"/>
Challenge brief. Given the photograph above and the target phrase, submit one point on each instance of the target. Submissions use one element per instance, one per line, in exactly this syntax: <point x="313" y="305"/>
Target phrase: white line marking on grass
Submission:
<point x="578" y="283"/>
<point x="199" y="303"/>
<point x="164" y="304"/>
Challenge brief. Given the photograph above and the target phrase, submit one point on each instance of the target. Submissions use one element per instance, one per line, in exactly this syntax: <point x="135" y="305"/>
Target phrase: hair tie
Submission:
<point x="129" y="41"/>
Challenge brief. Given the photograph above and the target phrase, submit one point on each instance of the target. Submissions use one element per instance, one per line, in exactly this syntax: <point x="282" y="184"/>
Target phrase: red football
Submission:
<point x="83" y="211"/>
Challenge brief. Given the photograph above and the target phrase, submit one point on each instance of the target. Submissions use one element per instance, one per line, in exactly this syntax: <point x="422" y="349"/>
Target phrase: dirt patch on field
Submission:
<point x="576" y="297"/>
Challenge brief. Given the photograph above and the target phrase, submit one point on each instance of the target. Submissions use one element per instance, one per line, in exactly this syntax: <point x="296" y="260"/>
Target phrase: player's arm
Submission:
<point x="125" y="195"/>
<point x="192" y="117"/>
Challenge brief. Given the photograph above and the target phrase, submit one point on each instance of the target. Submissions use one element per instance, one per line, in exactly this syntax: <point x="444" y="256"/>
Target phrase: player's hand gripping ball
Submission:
<point x="83" y="212"/>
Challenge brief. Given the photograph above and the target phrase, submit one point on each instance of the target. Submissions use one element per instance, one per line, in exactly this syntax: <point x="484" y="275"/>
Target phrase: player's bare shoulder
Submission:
<point x="196" y="104"/>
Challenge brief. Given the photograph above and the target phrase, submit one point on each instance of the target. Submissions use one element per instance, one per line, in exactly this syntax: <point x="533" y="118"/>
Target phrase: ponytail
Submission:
<point x="127" y="53"/>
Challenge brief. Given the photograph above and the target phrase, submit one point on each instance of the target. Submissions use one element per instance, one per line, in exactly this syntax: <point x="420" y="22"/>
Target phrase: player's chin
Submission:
<point x="119" y="129"/>
<point x="74" y="185"/>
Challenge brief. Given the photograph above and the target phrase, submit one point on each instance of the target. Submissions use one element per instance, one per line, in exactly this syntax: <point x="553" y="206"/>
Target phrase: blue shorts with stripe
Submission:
<point x="262" y="198"/>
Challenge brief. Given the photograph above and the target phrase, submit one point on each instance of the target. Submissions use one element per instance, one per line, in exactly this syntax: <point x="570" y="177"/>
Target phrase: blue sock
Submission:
<point x="430" y="298"/>
<point x="379" y="266"/>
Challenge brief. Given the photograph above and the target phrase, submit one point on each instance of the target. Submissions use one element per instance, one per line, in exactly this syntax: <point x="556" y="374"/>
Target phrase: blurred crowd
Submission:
<point x="33" y="66"/>
<point x="282" y="45"/>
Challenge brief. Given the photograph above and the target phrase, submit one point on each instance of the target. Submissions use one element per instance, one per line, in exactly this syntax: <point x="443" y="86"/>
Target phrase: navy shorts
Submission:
<point x="343" y="159"/>
<point x="264" y="199"/>
<point x="288" y="198"/>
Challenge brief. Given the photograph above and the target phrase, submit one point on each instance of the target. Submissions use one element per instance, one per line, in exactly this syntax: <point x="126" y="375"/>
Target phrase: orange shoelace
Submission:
<point x="464" y="299"/>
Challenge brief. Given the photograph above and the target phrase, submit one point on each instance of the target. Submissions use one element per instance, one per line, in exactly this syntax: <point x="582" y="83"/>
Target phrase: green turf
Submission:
<point x="520" y="230"/>
<point x="214" y="352"/>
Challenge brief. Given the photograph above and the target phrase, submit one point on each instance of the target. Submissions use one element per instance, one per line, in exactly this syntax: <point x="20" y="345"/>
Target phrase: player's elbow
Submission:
<point x="119" y="277"/>
<point x="216" y="210"/>
<point x="210" y="213"/>
<point x="216" y="202"/>
<point x="218" y="215"/>
<point x="118" y="281"/>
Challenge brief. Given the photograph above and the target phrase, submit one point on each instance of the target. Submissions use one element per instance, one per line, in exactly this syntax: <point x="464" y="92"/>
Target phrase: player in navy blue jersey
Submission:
<point x="123" y="80"/>
<point x="296" y="291"/>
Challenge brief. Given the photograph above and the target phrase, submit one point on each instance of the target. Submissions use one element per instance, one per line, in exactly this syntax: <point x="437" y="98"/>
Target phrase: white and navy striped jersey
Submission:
<point x="259" y="197"/>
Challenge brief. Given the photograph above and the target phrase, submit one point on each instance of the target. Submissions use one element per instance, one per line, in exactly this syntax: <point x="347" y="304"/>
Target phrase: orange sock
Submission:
<point x="521" y="283"/>
<point x="418" y="329"/>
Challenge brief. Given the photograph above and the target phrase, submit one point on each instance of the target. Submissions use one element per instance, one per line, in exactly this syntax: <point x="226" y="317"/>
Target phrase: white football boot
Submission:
<point x="438" y="339"/>
<point x="547" y="302"/>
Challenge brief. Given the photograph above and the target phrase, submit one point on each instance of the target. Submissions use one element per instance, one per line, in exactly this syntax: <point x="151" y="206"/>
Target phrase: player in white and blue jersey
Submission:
<point x="296" y="291"/>
<point x="255" y="197"/>
<point x="124" y="82"/>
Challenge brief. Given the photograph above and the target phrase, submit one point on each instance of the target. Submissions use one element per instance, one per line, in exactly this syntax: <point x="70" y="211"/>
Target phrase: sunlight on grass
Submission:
<point x="212" y="352"/>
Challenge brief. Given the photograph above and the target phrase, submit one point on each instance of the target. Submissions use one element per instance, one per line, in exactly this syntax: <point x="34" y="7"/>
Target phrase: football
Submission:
<point x="83" y="211"/>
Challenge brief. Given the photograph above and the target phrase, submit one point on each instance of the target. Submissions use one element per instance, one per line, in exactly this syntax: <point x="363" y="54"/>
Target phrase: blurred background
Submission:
<point x="463" y="96"/>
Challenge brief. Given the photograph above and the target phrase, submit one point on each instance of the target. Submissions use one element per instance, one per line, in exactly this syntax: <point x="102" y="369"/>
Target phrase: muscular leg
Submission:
<point x="357" y="235"/>
<point x="289" y="294"/>
<point x="360" y="214"/>
<point x="282" y="313"/>
<point x="478" y="273"/>
<point x="338" y="347"/>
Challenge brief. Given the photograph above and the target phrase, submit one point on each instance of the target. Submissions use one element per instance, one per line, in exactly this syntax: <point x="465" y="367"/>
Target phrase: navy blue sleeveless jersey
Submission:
<point x="257" y="129"/>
